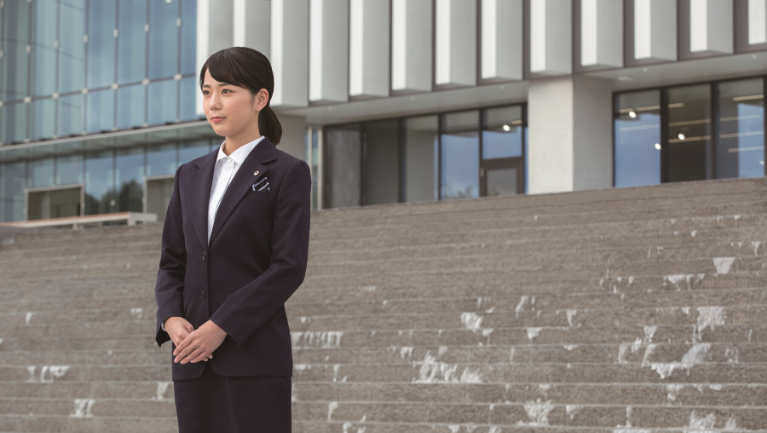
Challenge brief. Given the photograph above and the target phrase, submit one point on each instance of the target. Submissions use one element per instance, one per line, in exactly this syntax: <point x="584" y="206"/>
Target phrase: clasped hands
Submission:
<point x="193" y="345"/>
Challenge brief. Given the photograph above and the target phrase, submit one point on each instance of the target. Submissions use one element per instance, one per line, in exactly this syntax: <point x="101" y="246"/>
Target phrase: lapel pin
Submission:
<point x="256" y="173"/>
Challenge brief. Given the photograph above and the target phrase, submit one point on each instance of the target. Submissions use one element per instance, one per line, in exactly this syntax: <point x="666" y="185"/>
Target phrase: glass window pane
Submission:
<point x="100" y="194"/>
<point x="161" y="159"/>
<point x="130" y="179"/>
<point x="45" y="51"/>
<point x="71" y="46"/>
<point x="188" y="94"/>
<point x="13" y="179"/>
<point x="189" y="37"/>
<point x="14" y="122"/>
<point x="101" y="43"/>
<point x="502" y="182"/>
<point x="163" y="102"/>
<point x="740" y="148"/>
<point x="460" y="155"/>
<point x="502" y="132"/>
<point x="101" y="110"/>
<point x="69" y="169"/>
<point x="190" y="151"/>
<point x="44" y="118"/>
<point x="131" y="44"/>
<point x="689" y="129"/>
<point x="421" y="142"/>
<point x="71" y="112"/>
<point x="131" y="106"/>
<point x="15" y="76"/>
<point x="41" y="172"/>
<point x="382" y="161"/>
<point x="637" y="139"/>
<point x="163" y="39"/>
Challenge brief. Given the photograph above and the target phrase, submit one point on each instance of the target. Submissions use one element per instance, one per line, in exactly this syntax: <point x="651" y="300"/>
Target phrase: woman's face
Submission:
<point x="229" y="108"/>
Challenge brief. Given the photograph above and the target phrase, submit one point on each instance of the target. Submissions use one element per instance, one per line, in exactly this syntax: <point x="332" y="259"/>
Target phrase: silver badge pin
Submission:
<point x="256" y="173"/>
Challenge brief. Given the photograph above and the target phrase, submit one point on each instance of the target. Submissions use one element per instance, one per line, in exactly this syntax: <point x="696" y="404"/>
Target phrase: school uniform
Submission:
<point x="234" y="248"/>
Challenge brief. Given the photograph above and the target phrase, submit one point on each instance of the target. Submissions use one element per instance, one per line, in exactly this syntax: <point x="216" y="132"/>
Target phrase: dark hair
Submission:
<point x="246" y="67"/>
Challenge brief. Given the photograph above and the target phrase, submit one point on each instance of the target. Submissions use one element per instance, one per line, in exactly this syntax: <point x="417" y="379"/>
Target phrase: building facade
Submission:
<point x="388" y="101"/>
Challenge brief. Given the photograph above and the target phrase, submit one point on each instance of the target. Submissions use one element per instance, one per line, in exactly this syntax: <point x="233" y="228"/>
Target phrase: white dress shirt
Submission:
<point x="226" y="167"/>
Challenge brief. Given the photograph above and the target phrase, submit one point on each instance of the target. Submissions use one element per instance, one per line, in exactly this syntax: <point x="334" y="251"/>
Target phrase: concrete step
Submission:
<point x="65" y="423"/>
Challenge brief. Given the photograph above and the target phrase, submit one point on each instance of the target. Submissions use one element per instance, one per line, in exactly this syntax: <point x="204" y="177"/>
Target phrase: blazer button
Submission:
<point x="202" y="293"/>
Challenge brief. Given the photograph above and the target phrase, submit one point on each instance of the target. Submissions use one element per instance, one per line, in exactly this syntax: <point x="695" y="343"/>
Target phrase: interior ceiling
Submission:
<point x="670" y="73"/>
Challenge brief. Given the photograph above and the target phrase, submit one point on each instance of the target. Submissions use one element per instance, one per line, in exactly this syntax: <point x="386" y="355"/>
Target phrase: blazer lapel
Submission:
<point x="263" y="153"/>
<point x="198" y="186"/>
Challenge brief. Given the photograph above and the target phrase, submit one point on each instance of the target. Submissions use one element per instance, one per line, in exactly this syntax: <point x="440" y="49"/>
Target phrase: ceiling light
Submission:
<point x="681" y="136"/>
<point x="657" y="146"/>
<point x="632" y="114"/>
<point x="761" y="162"/>
<point x="506" y="128"/>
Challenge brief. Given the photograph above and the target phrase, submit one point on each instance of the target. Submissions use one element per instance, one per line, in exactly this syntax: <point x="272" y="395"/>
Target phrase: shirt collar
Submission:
<point x="240" y="154"/>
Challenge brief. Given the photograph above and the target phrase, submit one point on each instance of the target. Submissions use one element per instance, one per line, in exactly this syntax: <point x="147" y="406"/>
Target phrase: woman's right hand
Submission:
<point x="178" y="329"/>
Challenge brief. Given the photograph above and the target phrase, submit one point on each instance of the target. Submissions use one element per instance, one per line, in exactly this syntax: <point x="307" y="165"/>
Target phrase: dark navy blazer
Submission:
<point x="256" y="259"/>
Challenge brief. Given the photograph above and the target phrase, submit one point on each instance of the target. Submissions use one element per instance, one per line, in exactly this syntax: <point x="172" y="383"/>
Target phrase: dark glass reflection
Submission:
<point x="502" y="132"/>
<point x="69" y="169"/>
<point x="100" y="194"/>
<point x="460" y="155"/>
<point x="130" y="179"/>
<point x="188" y="37"/>
<point x="71" y="46"/>
<point x="689" y="133"/>
<point x="381" y="140"/>
<point x="187" y="98"/>
<point x="740" y="146"/>
<point x="502" y="182"/>
<point x="71" y="111"/>
<point x="195" y="149"/>
<point x="15" y="37"/>
<point x="45" y="52"/>
<point x="43" y="118"/>
<point x="637" y="139"/>
<point x="131" y="106"/>
<point x="14" y="122"/>
<point x="421" y="169"/>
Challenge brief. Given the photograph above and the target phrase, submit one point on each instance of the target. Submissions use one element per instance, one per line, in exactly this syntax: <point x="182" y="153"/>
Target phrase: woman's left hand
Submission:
<point x="200" y="343"/>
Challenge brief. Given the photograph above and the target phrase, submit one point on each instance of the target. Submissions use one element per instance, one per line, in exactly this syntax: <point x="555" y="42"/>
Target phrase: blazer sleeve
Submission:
<point x="245" y="310"/>
<point x="169" y="288"/>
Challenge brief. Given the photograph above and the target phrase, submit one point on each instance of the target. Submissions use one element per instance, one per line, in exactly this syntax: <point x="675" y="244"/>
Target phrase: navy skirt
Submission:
<point x="245" y="404"/>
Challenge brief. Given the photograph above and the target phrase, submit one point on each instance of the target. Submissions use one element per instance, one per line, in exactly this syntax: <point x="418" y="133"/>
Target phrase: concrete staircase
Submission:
<point x="624" y="310"/>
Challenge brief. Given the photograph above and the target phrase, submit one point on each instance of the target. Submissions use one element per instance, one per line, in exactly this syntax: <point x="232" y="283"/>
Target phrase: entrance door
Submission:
<point x="56" y="202"/>
<point x="157" y="195"/>
<point x="502" y="162"/>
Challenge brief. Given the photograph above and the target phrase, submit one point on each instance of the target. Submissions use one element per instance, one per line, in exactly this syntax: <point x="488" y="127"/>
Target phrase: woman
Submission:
<point x="234" y="249"/>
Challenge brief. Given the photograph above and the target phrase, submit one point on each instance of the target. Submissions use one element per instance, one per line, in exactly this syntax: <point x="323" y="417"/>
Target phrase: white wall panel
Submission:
<point x="655" y="29"/>
<point x="252" y="25"/>
<point x="551" y="37"/>
<point x="757" y="22"/>
<point x="411" y="45"/>
<point x="329" y="50"/>
<point x="214" y="33"/>
<point x="502" y="36"/>
<point x="456" y="42"/>
<point x="601" y="33"/>
<point x="290" y="52"/>
<point x="369" y="41"/>
<point x="711" y="26"/>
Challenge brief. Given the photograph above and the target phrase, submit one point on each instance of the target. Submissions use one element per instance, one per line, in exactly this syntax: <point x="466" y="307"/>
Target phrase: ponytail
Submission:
<point x="269" y="125"/>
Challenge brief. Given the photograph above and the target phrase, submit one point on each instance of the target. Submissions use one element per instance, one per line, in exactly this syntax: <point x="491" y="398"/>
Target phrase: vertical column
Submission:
<point x="369" y="40"/>
<point x="456" y="43"/>
<point x="711" y="26"/>
<point x="411" y="45"/>
<point x="551" y="37"/>
<point x="290" y="52"/>
<point x="329" y="51"/>
<point x="601" y="33"/>
<point x="655" y="29"/>
<point x="214" y="33"/>
<point x="757" y="22"/>
<point x="570" y="127"/>
<point x="252" y="25"/>
<point x="502" y="36"/>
